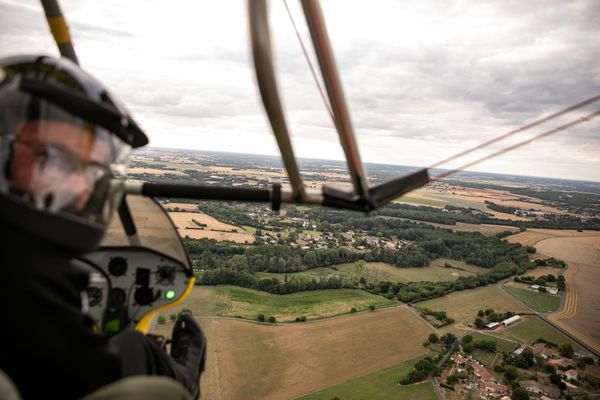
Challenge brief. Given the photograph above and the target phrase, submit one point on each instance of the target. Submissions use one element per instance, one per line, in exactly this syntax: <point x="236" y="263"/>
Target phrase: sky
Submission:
<point x="423" y="79"/>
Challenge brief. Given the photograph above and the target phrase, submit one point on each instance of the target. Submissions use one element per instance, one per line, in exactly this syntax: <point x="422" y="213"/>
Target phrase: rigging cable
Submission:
<point x="479" y="146"/>
<point x="517" y="145"/>
<point x="518" y="130"/>
<point x="310" y="64"/>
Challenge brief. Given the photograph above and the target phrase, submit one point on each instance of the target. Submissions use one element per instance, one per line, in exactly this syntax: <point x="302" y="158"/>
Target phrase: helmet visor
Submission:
<point x="59" y="163"/>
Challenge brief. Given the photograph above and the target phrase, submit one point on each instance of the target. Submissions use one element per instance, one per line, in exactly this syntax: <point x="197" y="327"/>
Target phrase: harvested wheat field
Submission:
<point x="581" y="312"/>
<point x="484" y="229"/>
<point x="543" y="271"/>
<point x="257" y="361"/>
<point x="154" y="171"/>
<point x="197" y="225"/>
<point x="528" y="238"/>
<point x="584" y="250"/>
<point x="182" y="206"/>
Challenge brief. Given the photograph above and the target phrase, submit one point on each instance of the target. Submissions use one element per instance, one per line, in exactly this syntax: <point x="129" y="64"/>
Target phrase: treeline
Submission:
<point x="579" y="197"/>
<point x="450" y="215"/>
<point x="223" y="263"/>
<point x="470" y="247"/>
<point x="228" y="276"/>
<point x="500" y="208"/>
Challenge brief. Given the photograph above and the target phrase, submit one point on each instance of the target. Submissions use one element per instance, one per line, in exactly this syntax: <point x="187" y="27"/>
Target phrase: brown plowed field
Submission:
<point x="256" y="361"/>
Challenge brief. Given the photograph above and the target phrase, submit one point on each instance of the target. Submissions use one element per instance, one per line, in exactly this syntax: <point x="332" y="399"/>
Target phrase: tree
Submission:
<point x="173" y="317"/>
<point x="510" y="373"/>
<point x="161" y="320"/>
<point x="261" y="317"/>
<point x="562" y="386"/>
<point x="480" y="313"/>
<point x="519" y="393"/>
<point x="272" y="319"/>
<point x="566" y="350"/>
<point x="372" y="307"/>
<point x="467" y="339"/>
<point x="554" y="378"/>
<point x="468" y="347"/>
<point x="448" y="339"/>
<point x="479" y="323"/>
<point x="433" y="338"/>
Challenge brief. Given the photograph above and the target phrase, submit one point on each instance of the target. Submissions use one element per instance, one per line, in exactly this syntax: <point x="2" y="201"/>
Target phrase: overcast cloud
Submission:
<point x="423" y="79"/>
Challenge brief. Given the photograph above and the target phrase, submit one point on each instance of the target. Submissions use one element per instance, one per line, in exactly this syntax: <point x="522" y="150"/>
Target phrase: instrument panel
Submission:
<point x="127" y="282"/>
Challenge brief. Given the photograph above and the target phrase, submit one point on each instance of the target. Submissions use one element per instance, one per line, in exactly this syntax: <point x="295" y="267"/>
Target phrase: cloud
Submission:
<point x="423" y="80"/>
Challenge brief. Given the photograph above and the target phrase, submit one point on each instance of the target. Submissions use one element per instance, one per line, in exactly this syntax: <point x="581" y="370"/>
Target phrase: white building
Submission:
<point x="510" y="320"/>
<point x="492" y="325"/>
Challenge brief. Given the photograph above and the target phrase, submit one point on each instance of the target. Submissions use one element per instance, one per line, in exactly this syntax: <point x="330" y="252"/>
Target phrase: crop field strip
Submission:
<point x="380" y="385"/>
<point x="252" y="360"/>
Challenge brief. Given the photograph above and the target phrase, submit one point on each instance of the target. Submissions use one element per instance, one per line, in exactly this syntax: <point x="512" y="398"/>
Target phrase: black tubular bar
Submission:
<point x="202" y="192"/>
<point x="127" y="218"/>
<point x="388" y="191"/>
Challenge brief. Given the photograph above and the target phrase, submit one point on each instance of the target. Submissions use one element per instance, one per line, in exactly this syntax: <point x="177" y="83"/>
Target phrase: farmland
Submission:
<point x="376" y="271"/>
<point x="581" y="314"/>
<point x="532" y="328"/>
<point x="488" y="358"/>
<point x="198" y="225"/>
<point x="251" y="361"/>
<point x="540" y="302"/>
<point x="463" y="306"/>
<point x="235" y="301"/>
<point x="378" y="385"/>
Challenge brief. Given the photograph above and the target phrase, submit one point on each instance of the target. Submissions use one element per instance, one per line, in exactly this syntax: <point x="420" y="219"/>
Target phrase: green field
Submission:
<point x="487" y="357"/>
<point x="233" y="301"/>
<point x="540" y="302"/>
<point x="502" y="345"/>
<point x="249" y="229"/>
<point x="377" y="271"/>
<point x="435" y="272"/>
<point x="422" y="201"/>
<point x="320" y="272"/>
<point x="463" y="305"/>
<point x="382" y="384"/>
<point x="532" y="328"/>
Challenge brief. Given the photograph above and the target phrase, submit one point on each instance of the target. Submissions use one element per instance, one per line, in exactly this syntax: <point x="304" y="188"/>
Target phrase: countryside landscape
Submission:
<point x="482" y="286"/>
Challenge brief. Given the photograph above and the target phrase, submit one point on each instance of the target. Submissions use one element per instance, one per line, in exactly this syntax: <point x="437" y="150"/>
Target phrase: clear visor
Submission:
<point x="59" y="163"/>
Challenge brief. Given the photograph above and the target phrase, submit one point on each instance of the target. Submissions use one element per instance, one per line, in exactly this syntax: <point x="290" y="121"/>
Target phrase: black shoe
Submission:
<point x="188" y="348"/>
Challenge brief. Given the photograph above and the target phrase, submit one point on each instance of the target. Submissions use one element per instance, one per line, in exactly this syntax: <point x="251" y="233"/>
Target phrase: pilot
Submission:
<point x="64" y="145"/>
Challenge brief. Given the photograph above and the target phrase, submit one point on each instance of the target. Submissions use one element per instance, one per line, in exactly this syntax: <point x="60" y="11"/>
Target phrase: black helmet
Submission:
<point x="64" y="144"/>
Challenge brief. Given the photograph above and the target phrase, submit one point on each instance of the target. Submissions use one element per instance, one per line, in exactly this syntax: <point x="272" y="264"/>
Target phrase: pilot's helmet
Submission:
<point x="64" y="146"/>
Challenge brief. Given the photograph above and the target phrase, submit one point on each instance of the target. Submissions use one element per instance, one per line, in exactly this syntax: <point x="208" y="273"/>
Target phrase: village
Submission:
<point x="541" y="370"/>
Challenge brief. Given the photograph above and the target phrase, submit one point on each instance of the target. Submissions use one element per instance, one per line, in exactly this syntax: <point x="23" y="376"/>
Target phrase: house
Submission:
<point x="561" y="363"/>
<point x="537" y="388"/>
<point x="495" y="390"/>
<point x="511" y="320"/>
<point x="518" y="351"/>
<point x="482" y="373"/>
<point x="458" y="359"/>
<point x="541" y="350"/>
<point x="571" y="374"/>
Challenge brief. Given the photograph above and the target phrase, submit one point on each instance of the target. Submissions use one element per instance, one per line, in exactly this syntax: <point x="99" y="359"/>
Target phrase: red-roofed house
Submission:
<point x="482" y="373"/>
<point x="458" y="359"/>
